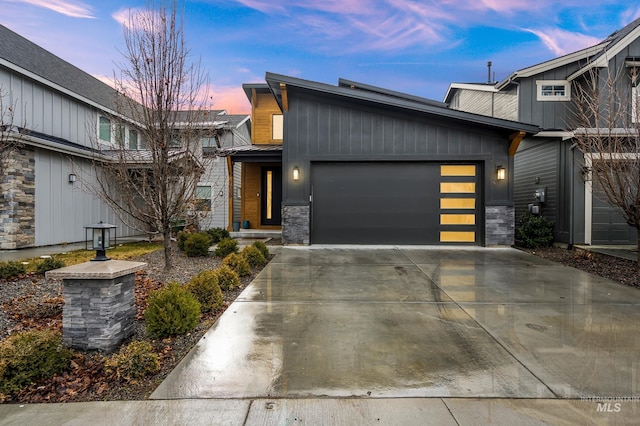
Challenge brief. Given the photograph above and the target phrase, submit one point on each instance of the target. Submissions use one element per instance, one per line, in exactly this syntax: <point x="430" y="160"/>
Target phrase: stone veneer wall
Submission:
<point x="18" y="201"/>
<point x="500" y="224"/>
<point x="295" y="224"/>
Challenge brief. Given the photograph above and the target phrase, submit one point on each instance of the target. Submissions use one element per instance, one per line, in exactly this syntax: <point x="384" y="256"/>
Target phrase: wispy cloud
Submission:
<point x="561" y="42"/>
<point x="630" y="15"/>
<point x="69" y="8"/>
<point x="230" y="98"/>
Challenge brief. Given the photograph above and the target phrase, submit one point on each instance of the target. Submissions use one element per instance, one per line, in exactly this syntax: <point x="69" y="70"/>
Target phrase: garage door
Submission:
<point x="608" y="225"/>
<point x="394" y="203"/>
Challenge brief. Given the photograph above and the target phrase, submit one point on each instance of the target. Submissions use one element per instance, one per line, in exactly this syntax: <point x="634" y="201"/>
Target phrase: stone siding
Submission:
<point x="295" y="225"/>
<point x="500" y="223"/>
<point x="17" y="201"/>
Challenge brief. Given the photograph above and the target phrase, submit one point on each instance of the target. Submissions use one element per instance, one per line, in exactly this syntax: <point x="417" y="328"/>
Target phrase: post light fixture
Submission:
<point x="100" y="239"/>
<point x="296" y="173"/>
<point x="501" y="173"/>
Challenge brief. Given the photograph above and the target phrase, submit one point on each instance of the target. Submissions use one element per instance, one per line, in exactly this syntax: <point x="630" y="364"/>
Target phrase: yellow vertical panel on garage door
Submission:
<point x="457" y="170"/>
<point x="457" y="203"/>
<point x="457" y="219"/>
<point x="457" y="187"/>
<point x="457" y="237"/>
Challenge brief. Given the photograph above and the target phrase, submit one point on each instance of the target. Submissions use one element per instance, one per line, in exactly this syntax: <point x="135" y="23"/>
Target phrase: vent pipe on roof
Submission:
<point x="489" y="72"/>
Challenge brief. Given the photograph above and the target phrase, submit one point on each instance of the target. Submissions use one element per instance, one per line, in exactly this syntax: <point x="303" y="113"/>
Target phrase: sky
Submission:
<point x="413" y="46"/>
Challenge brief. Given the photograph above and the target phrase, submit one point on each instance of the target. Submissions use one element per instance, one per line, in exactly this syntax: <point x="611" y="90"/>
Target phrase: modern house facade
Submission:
<point x="365" y="165"/>
<point x="551" y="176"/>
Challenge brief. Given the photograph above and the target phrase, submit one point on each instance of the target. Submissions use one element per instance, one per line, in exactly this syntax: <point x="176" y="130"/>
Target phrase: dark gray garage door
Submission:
<point x="394" y="203"/>
<point x="608" y="225"/>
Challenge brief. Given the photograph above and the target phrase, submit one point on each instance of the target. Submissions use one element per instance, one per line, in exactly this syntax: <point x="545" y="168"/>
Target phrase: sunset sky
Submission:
<point x="417" y="47"/>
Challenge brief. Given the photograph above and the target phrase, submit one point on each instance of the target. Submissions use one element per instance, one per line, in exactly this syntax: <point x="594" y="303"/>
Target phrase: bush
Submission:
<point x="534" y="231"/>
<point x="172" y="310"/>
<point x="28" y="356"/>
<point x="218" y="234"/>
<point x="197" y="245"/>
<point x="181" y="239"/>
<point x="262" y="247"/>
<point x="238" y="263"/>
<point x="227" y="278"/>
<point x="204" y="287"/>
<point x="254" y="257"/>
<point x="225" y="247"/>
<point x="134" y="361"/>
<point x="11" y="269"/>
<point x="49" y="264"/>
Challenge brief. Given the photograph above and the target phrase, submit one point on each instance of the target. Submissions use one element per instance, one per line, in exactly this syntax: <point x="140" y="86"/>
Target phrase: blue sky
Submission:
<point x="417" y="47"/>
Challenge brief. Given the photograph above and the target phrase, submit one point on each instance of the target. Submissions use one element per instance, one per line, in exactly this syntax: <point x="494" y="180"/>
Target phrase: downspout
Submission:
<point x="572" y="195"/>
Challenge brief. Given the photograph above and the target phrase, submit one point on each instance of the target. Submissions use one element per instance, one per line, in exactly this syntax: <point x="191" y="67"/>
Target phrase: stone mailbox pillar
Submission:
<point x="99" y="305"/>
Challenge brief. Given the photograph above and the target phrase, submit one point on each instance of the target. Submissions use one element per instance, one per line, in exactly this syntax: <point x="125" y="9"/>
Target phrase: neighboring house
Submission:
<point x="365" y="165"/>
<point x="551" y="176"/>
<point x="65" y="120"/>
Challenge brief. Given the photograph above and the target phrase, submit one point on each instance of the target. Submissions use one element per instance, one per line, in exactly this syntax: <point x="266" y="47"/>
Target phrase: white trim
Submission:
<point x="588" y="201"/>
<point x="553" y="98"/>
<point x="554" y="134"/>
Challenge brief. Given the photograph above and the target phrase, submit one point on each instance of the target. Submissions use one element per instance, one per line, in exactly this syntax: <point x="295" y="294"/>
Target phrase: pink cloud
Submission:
<point x="68" y="8"/>
<point x="230" y="98"/>
<point x="561" y="42"/>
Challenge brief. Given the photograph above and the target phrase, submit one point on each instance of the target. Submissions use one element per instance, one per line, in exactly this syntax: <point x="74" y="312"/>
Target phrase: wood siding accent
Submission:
<point x="263" y="108"/>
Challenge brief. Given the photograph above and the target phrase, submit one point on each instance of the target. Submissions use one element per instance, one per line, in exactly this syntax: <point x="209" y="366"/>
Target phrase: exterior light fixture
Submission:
<point x="100" y="239"/>
<point x="72" y="177"/>
<point x="501" y="173"/>
<point x="296" y="173"/>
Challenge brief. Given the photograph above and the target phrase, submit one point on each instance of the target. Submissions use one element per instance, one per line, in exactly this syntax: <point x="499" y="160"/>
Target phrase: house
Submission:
<point x="65" y="120"/>
<point x="551" y="176"/>
<point x="364" y="165"/>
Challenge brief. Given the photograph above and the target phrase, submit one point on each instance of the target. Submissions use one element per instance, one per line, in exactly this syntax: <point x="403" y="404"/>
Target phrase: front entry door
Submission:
<point x="271" y="196"/>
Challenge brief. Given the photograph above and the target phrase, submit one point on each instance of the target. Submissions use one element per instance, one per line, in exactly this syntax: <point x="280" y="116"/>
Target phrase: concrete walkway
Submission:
<point x="400" y="335"/>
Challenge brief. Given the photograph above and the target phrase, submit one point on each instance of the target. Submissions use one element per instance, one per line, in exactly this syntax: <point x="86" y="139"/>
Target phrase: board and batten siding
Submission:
<point x="493" y="104"/>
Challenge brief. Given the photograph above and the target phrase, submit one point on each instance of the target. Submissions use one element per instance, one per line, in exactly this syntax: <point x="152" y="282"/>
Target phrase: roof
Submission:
<point x="21" y="55"/>
<point x="373" y="89"/>
<point x="393" y="99"/>
<point x="249" y="88"/>
<point x="596" y="56"/>
<point x="253" y="153"/>
<point x="482" y="87"/>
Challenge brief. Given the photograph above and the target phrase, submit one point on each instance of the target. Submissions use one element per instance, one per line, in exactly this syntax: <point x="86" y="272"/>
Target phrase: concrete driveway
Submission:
<point x="418" y="322"/>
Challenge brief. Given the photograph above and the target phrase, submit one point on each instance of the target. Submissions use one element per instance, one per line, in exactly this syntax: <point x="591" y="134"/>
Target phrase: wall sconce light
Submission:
<point x="100" y="239"/>
<point x="72" y="177"/>
<point x="296" y="173"/>
<point x="501" y="173"/>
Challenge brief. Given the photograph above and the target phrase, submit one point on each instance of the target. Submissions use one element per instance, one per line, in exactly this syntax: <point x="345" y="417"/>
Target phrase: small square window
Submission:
<point x="104" y="130"/>
<point x="203" y="198"/>
<point x="553" y="90"/>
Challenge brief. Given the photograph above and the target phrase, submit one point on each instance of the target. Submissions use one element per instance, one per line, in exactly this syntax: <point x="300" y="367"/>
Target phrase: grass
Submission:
<point x="121" y="252"/>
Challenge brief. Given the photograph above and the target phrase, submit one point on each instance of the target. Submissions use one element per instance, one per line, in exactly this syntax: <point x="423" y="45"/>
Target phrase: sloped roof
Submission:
<point x="20" y="54"/>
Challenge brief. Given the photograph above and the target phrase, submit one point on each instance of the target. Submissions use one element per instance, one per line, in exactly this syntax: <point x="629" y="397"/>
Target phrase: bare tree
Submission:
<point x="10" y="134"/>
<point x="161" y="93"/>
<point x="607" y="131"/>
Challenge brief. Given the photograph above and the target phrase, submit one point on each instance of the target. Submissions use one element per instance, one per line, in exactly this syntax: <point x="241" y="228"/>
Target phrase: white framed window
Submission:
<point x="635" y="110"/>
<point x="104" y="129"/>
<point x="133" y="139"/>
<point x="119" y="135"/>
<point x="553" y="90"/>
<point x="277" y="122"/>
<point x="203" y="198"/>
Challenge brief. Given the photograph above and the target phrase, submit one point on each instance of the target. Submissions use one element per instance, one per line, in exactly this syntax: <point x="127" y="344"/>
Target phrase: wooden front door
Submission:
<point x="271" y="196"/>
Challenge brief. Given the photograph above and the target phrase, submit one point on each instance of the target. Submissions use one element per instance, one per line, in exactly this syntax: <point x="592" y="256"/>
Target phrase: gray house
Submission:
<point x="361" y="165"/>
<point x="551" y="176"/>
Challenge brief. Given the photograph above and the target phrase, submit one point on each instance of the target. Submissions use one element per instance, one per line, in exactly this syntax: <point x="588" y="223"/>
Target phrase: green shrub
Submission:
<point x="218" y="234"/>
<point x="28" y="356"/>
<point x="254" y="256"/>
<point x="238" y="263"/>
<point x="134" y="361"/>
<point x="172" y="310"/>
<point x="181" y="239"/>
<point x="534" y="231"/>
<point x="204" y="287"/>
<point x="49" y="264"/>
<point x="225" y="247"/>
<point x="227" y="278"/>
<point x="11" y="269"/>
<point x="197" y="245"/>
<point x="262" y="247"/>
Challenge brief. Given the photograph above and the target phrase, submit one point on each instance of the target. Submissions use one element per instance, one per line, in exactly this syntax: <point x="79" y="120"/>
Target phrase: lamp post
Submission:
<point x="100" y="239"/>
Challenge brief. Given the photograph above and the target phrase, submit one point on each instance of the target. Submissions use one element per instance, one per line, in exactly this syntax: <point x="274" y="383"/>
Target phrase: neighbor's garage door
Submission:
<point x="608" y="225"/>
<point x="394" y="203"/>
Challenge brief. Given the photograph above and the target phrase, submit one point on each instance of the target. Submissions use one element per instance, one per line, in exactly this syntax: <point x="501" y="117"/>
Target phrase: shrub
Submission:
<point x="181" y="239"/>
<point x="254" y="256"/>
<point x="218" y="234"/>
<point x="534" y="231"/>
<point x="227" y="278"/>
<point x="204" y="287"/>
<point x="225" y="247"/>
<point x="262" y="247"/>
<point x="197" y="245"/>
<point x="172" y="310"/>
<point x="28" y="356"/>
<point x="238" y="263"/>
<point x="11" y="269"/>
<point x="49" y="264"/>
<point x="134" y="361"/>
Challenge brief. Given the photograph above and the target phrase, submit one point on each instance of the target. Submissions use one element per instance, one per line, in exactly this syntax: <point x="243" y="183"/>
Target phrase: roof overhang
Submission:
<point x="481" y="87"/>
<point x="271" y="153"/>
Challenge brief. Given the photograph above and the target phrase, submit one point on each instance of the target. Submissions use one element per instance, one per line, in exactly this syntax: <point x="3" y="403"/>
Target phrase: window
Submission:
<point x="203" y="198"/>
<point x="133" y="139"/>
<point x="208" y="142"/>
<point x="119" y="135"/>
<point x="277" y="120"/>
<point x="104" y="130"/>
<point x="553" y="90"/>
<point x="635" y="104"/>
